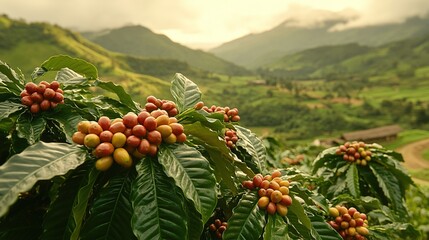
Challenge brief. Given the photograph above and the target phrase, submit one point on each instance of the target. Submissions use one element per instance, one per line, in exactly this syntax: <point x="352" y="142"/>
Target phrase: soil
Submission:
<point x="412" y="154"/>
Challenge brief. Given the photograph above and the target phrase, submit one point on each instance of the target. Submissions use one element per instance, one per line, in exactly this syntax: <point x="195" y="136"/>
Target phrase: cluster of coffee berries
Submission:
<point x="273" y="192"/>
<point x="229" y="115"/>
<point x="42" y="97"/>
<point x="356" y="152"/>
<point x="218" y="227"/>
<point x="132" y="135"/>
<point x="153" y="103"/>
<point x="231" y="138"/>
<point x="349" y="223"/>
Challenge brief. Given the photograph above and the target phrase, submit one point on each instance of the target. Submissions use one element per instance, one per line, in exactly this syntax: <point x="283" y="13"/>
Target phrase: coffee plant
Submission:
<point x="80" y="165"/>
<point x="381" y="176"/>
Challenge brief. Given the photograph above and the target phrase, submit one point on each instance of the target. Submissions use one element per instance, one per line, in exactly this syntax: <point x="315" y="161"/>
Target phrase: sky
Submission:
<point x="205" y="24"/>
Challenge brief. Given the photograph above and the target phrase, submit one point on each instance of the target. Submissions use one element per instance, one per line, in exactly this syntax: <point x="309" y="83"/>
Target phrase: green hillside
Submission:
<point x="139" y="41"/>
<point x="290" y="110"/>
<point x="27" y="45"/>
<point x="256" y="50"/>
<point x="406" y="58"/>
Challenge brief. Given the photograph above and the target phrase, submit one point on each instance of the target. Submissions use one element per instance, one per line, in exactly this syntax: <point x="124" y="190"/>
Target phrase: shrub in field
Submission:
<point x="382" y="177"/>
<point x="98" y="167"/>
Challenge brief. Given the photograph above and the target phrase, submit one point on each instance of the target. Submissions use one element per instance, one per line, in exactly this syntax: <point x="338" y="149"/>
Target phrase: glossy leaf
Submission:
<point x="37" y="162"/>
<point x="323" y="158"/>
<point x="7" y="108"/>
<point x="298" y="210"/>
<point x="67" y="119"/>
<point x="9" y="79"/>
<point x="352" y="180"/>
<point x="390" y="186"/>
<point x="58" y="62"/>
<point x="247" y="221"/>
<point x="158" y="207"/>
<point x="191" y="116"/>
<point x="80" y="203"/>
<point x="110" y="215"/>
<point x="195" y="224"/>
<point x="253" y="145"/>
<point x="70" y="79"/>
<point x="322" y="230"/>
<point x="276" y="228"/>
<point x="64" y="216"/>
<point x="30" y="128"/>
<point x="395" y="230"/>
<point x="193" y="174"/>
<point x="185" y="92"/>
<point x="210" y="139"/>
<point x="123" y="96"/>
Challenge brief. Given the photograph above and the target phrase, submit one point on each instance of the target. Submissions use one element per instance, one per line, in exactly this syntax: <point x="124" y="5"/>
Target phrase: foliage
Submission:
<point x="383" y="177"/>
<point x="54" y="187"/>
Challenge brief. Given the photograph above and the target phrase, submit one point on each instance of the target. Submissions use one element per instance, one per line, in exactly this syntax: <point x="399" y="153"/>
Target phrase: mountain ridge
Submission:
<point x="140" y="41"/>
<point x="268" y="46"/>
<point x="404" y="58"/>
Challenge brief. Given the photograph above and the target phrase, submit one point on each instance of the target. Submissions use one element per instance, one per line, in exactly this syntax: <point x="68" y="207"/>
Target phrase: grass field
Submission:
<point x="406" y="137"/>
<point x="425" y="154"/>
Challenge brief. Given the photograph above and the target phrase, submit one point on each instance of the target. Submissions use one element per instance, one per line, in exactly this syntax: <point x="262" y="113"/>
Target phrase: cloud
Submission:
<point x="386" y="11"/>
<point x="303" y="16"/>
<point x="95" y="15"/>
<point x="210" y="22"/>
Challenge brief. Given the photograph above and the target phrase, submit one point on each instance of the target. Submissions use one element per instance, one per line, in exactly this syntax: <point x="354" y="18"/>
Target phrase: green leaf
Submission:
<point x="38" y="162"/>
<point x="191" y="116"/>
<point x="321" y="229"/>
<point x="58" y="62"/>
<point x="352" y="181"/>
<point x="297" y="210"/>
<point x="390" y="186"/>
<point x="123" y="96"/>
<point x="210" y="139"/>
<point x="296" y="228"/>
<point x="195" y="224"/>
<point x="247" y="221"/>
<point x="224" y="170"/>
<point x="158" y="206"/>
<point x="110" y="215"/>
<point x="7" y="108"/>
<point x="395" y="230"/>
<point x="10" y="80"/>
<point x="276" y="228"/>
<point x="30" y="128"/>
<point x="69" y="78"/>
<point x="65" y="214"/>
<point x="81" y="202"/>
<point x="185" y="92"/>
<point x="192" y="173"/>
<point x="253" y="146"/>
<point x="67" y="119"/>
<point x="323" y="158"/>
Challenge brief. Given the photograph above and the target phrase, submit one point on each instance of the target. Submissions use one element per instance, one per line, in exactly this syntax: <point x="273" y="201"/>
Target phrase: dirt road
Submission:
<point x="412" y="154"/>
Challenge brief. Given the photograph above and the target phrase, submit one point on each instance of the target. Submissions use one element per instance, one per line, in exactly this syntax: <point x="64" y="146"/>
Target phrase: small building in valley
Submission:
<point x="385" y="133"/>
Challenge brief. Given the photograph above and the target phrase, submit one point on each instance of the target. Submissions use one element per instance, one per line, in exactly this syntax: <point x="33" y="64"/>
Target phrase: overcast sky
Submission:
<point x="208" y="23"/>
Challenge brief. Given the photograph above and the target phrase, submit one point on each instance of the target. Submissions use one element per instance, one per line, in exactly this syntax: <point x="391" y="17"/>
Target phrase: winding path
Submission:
<point x="412" y="154"/>
<point x="413" y="159"/>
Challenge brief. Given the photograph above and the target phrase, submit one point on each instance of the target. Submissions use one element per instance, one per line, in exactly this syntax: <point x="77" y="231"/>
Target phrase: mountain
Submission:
<point x="27" y="45"/>
<point x="256" y="50"/>
<point x="406" y="58"/>
<point x="139" y="41"/>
